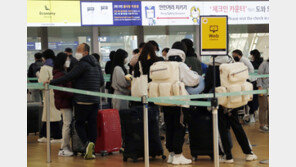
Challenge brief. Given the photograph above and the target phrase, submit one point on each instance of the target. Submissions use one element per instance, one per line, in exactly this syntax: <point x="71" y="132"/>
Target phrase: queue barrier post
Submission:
<point x="146" y="137"/>
<point x="47" y="99"/>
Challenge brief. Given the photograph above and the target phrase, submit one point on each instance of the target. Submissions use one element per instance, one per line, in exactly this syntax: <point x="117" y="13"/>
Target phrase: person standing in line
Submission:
<point x="175" y="127"/>
<point x="263" y="83"/>
<point x="238" y="57"/>
<point x="164" y="52"/>
<point x="63" y="102"/>
<point x="135" y="53"/>
<point x="256" y="58"/>
<point x="55" y="114"/>
<point x="33" y="72"/>
<point x="191" y="58"/>
<point x="119" y="83"/>
<point x="108" y="70"/>
<point x="73" y="60"/>
<point x="135" y="58"/>
<point x="156" y="48"/>
<point x="227" y="118"/>
<point x="97" y="56"/>
<point x="87" y="75"/>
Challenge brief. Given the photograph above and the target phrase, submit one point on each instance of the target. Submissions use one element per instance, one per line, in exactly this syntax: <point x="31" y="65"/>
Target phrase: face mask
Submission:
<point x="236" y="59"/>
<point x="78" y="56"/>
<point x="125" y="60"/>
<point x="67" y="64"/>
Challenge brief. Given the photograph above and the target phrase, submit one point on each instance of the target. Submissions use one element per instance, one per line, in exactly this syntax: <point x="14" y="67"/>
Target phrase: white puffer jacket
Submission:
<point x="187" y="76"/>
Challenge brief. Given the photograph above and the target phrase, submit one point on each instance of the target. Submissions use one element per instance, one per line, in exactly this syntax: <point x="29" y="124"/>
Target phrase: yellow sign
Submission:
<point x="214" y="35"/>
<point x="53" y="13"/>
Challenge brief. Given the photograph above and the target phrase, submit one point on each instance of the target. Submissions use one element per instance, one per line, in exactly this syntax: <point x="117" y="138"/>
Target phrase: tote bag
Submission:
<point x="140" y="84"/>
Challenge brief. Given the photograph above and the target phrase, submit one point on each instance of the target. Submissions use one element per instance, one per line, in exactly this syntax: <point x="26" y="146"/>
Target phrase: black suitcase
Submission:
<point x="34" y="115"/>
<point x="200" y="132"/>
<point x="133" y="134"/>
<point x="77" y="146"/>
<point x="200" y="126"/>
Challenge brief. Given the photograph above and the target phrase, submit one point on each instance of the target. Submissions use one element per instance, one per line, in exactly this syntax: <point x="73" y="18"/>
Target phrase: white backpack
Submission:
<point x="233" y="78"/>
<point x="166" y="81"/>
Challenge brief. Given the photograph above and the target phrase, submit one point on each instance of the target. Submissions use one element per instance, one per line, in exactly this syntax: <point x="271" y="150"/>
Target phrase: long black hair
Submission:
<point x="59" y="61"/>
<point x="189" y="44"/>
<point x="118" y="60"/>
<point x="256" y="54"/>
<point x="148" y="49"/>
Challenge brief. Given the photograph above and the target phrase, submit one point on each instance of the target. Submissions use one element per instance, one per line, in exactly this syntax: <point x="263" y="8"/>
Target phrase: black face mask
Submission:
<point x="236" y="58"/>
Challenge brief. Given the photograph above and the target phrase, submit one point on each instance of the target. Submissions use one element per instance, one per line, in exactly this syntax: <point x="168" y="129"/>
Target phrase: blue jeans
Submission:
<point x="198" y="89"/>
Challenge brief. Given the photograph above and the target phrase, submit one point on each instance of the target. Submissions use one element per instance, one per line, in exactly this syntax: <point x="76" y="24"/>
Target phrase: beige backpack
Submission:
<point x="233" y="78"/>
<point x="165" y="81"/>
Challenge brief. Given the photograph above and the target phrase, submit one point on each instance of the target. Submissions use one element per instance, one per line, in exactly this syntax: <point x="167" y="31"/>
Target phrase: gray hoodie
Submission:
<point x="263" y="69"/>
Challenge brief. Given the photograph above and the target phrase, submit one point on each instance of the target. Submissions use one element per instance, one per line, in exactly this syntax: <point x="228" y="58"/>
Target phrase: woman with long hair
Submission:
<point x="118" y="81"/>
<point x="55" y="114"/>
<point x="63" y="101"/>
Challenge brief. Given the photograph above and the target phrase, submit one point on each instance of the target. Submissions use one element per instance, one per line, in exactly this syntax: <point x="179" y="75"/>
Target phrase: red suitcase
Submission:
<point x="109" y="132"/>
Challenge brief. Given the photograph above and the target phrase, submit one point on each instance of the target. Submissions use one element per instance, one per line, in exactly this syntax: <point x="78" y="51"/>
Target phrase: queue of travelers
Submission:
<point x="83" y="71"/>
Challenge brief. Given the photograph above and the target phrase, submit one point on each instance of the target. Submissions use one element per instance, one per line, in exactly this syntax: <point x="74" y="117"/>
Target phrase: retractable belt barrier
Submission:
<point x="178" y="100"/>
<point x="107" y="77"/>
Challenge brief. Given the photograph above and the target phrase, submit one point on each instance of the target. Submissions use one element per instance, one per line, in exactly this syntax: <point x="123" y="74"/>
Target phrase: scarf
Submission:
<point x="49" y="62"/>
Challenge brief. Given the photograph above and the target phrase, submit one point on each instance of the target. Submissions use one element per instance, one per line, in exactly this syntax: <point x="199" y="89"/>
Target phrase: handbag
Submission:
<point x="139" y="86"/>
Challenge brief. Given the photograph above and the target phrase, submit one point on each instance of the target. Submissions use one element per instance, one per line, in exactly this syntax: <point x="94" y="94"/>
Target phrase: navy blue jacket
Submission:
<point x="86" y="75"/>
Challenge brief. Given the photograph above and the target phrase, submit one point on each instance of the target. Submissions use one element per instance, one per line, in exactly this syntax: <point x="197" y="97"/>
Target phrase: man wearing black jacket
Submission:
<point x="87" y="75"/>
<point x="32" y="71"/>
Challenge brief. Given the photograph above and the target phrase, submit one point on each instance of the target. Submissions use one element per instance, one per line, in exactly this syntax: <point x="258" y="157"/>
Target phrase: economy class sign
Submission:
<point x="214" y="35"/>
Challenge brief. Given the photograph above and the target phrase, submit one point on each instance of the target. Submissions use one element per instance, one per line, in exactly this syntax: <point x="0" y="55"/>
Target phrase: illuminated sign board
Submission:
<point x="53" y="13"/>
<point x="213" y="35"/>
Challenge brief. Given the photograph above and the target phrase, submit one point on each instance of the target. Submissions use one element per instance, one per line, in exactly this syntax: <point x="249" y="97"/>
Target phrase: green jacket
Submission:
<point x="194" y="63"/>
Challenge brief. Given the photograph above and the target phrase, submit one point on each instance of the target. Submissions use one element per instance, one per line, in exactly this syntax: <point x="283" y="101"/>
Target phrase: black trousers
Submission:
<point x="254" y="104"/>
<point x="55" y="130"/>
<point x="227" y="120"/>
<point x="175" y="131"/>
<point x="86" y="122"/>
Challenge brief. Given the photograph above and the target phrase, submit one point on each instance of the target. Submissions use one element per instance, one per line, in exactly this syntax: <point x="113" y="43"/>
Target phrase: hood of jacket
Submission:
<point x="221" y="60"/>
<point x="90" y="59"/>
<point x="176" y="52"/>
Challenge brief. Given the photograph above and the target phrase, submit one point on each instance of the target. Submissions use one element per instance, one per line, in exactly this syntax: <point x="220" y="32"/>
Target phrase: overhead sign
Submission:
<point x="171" y="13"/>
<point x="213" y="35"/>
<point x="146" y="13"/>
<point x="53" y="13"/>
<point x="117" y="13"/>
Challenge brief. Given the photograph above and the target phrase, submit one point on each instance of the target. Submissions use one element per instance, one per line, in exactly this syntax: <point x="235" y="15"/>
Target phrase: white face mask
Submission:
<point x="67" y="64"/>
<point x="78" y="56"/>
<point x="125" y="60"/>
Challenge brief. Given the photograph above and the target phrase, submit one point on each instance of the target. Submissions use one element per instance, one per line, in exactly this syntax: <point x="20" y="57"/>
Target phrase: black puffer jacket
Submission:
<point x="87" y="75"/>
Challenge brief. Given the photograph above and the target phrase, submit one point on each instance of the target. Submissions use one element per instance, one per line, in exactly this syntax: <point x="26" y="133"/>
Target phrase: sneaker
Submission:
<point x="89" y="152"/>
<point x="252" y="118"/>
<point x="56" y="141"/>
<point x="223" y="159"/>
<point x="179" y="159"/>
<point x="171" y="157"/>
<point x="42" y="140"/>
<point x="65" y="153"/>
<point x="264" y="128"/>
<point x="251" y="157"/>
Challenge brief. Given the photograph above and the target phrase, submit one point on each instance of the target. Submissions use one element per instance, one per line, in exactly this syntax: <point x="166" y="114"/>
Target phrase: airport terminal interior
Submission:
<point x="102" y="39"/>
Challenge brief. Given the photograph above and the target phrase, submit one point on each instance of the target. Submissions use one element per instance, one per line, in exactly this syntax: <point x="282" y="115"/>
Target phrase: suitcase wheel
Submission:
<point x="163" y="157"/>
<point x="194" y="158"/>
<point x="124" y="158"/>
<point x="104" y="154"/>
<point x="110" y="153"/>
<point x="212" y="157"/>
<point x="135" y="159"/>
